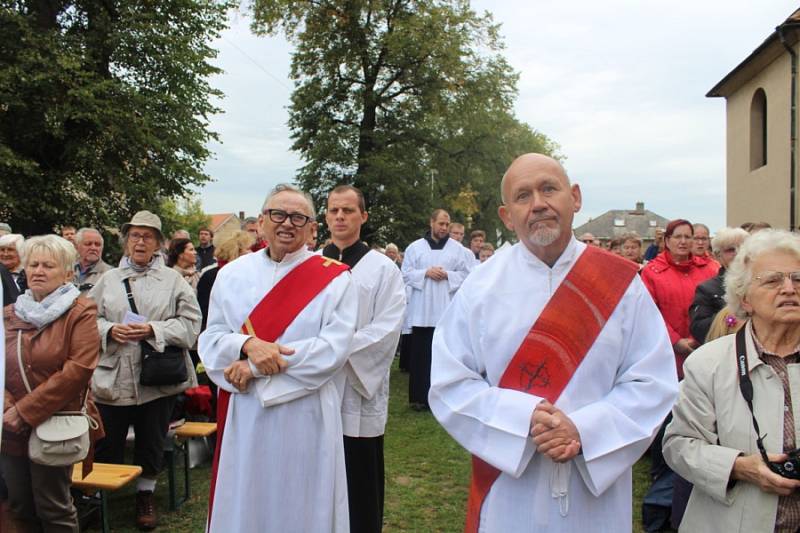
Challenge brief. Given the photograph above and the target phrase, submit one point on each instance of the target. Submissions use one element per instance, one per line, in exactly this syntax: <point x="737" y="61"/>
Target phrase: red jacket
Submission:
<point x="672" y="286"/>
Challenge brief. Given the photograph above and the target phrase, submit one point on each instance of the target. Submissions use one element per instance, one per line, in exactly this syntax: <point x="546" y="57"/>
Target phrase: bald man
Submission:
<point x="552" y="366"/>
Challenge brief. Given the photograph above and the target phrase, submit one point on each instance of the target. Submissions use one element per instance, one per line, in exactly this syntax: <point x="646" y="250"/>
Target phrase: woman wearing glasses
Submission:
<point x="672" y="278"/>
<point x="713" y="438"/>
<point x="143" y="308"/>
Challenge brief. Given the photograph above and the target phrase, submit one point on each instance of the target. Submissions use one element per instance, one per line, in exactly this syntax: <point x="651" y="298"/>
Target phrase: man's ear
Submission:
<point x="505" y="216"/>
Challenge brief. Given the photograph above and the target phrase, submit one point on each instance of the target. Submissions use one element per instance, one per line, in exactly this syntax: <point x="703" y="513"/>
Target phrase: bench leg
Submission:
<point x="170" y="456"/>
<point x="104" y="511"/>
<point x="186" y="463"/>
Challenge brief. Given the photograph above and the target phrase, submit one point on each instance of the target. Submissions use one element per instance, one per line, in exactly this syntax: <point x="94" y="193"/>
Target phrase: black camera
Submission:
<point x="790" y="468"/>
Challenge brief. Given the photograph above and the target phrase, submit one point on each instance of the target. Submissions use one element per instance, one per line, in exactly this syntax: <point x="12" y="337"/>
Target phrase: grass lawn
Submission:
<point x="427" y="478"/>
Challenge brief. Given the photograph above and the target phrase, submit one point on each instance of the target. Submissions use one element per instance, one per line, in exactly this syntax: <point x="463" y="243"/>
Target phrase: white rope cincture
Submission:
<point x="559" y="485"/>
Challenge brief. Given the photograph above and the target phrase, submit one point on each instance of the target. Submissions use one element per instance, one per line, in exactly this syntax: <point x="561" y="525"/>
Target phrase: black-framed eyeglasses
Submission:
<point x="278" y="216"/>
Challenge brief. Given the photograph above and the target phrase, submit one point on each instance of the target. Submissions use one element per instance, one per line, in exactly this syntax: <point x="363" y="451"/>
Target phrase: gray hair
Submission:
<point x="249" y="220"/>
<point x="17" y="241"/>
<point x="740" y="271"/>
<point x="285" y="187"/>
<point x="58" y="247"/>
<point x="727" y="237"/>
<point x="83" y="231"/>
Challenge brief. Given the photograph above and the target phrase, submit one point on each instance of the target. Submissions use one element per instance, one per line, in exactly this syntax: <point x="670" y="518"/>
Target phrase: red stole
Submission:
<point x="557" y="343"/>
<point x="270" y="318"/>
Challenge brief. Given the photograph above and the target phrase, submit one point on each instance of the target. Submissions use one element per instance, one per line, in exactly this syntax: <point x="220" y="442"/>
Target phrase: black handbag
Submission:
<point x="159" y="368"/>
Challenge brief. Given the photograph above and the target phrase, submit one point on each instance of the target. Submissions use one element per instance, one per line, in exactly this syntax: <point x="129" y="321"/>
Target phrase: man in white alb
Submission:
<point x="365" y="377"/>
<point x="433" y="268"/>
<point x="279" y="329"/>
<point x="552" y="366"/>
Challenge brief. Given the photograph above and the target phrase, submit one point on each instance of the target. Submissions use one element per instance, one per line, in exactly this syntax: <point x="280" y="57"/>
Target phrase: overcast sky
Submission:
<point x="619" y="84"/>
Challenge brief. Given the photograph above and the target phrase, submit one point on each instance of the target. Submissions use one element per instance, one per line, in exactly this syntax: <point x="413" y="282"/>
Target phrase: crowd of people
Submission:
<point x="557" y="362"/>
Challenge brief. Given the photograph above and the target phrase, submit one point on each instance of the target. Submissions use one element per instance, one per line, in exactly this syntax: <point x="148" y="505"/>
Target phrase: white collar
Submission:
<point x="291" y="258"/>
<point x="564" y="262"/>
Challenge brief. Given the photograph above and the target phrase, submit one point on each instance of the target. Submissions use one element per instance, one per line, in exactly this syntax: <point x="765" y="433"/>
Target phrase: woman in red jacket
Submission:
<point x="672" y="278"/>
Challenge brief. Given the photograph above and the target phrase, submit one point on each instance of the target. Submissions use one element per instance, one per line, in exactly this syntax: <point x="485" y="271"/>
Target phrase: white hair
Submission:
<point x="17" y="241"/>
<point x="57" y="247"/>
<point x="83" y="231"/>
<point x="727" y="237"/>
<point x="740" y="272"/>
<point x="285" y="187"/>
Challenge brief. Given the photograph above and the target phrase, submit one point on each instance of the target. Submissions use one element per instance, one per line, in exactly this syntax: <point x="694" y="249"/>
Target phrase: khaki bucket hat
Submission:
<point x="145" y="219"/>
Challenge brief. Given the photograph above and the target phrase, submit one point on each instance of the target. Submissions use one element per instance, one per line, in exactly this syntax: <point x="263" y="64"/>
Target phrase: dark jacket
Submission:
<point x="205" y="257"/>
<point x="10" y="289"/>
<point x="709" y="299"/>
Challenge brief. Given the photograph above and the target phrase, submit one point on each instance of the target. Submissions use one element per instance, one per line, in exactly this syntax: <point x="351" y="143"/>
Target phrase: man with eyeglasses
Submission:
<point x="433" y="268"/>
<point x="365" y="377"/>
<point x="90" y="265"/>
<point x="279" y="330"/>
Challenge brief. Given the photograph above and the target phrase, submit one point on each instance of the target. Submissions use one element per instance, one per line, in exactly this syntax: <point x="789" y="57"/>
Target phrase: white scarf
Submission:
<point x="49" y="309"/>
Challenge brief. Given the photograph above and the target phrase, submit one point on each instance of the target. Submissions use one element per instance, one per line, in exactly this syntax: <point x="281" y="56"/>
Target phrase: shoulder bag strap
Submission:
<point x="129" y="294"/>
<point x="28" y="385"/>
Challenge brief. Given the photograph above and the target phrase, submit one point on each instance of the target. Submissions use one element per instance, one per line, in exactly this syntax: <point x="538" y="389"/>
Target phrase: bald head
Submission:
<point x="531" y="162"/>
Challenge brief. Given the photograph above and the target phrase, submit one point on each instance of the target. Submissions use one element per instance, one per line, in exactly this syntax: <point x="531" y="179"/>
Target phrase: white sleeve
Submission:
<point x="317" y="359"/>
<point x="221" y="343"/>
<point x="457" y="275"/>
<point x="373" y="346"/>
<point x="616" y="430"/>
<point x="490" y="422"/>
<point x="413" y="272"/>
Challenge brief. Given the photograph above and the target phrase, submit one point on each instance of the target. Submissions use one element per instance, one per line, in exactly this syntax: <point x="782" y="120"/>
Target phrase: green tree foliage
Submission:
<point x="183" y="213"/>
<point x="411" y="101"/>
<point x="104" y="107"/>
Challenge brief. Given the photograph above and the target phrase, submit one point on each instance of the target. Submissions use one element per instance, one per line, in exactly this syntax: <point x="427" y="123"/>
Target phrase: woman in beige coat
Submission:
<point x="167" y="314"/>
<point x="712" y="440"/>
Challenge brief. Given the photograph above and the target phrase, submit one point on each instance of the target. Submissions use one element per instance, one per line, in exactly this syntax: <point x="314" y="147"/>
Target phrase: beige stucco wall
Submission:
<point x="761" y="194"/>
<point x="228" y="228"/>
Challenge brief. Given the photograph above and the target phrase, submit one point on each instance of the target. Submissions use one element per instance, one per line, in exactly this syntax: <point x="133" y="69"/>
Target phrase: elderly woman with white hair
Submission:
<point x="709" y="296"/>
<point x="734" y="431"/>
<point x="12" y="255"/>
<point x="51" y="349"/>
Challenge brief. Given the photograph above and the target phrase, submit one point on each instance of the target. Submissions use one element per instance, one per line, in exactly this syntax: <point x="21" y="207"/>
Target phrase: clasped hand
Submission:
<point x="267" y="357"/>
<point x="12" y="421"/>
<point x="131" y="332"/>
<point x="436" y="273"/>
<point x="554" y="434"/>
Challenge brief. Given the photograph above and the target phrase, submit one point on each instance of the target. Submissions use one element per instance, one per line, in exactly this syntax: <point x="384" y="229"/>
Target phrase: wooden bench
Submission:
<point x="180" y="443"/>
<point x="103" y="478"/>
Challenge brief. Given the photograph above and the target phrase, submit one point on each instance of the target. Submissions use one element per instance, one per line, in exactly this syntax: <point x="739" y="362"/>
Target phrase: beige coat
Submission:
<point x="171" y="307"/>
<point x="712" y="425"/>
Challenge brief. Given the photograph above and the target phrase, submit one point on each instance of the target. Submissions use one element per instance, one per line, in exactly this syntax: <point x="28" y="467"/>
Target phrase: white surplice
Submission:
<point x="617" y="398"/>
<point x="428" y="298"/>
<point x="282" y="459"/>
<point x="381" y="306"/>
